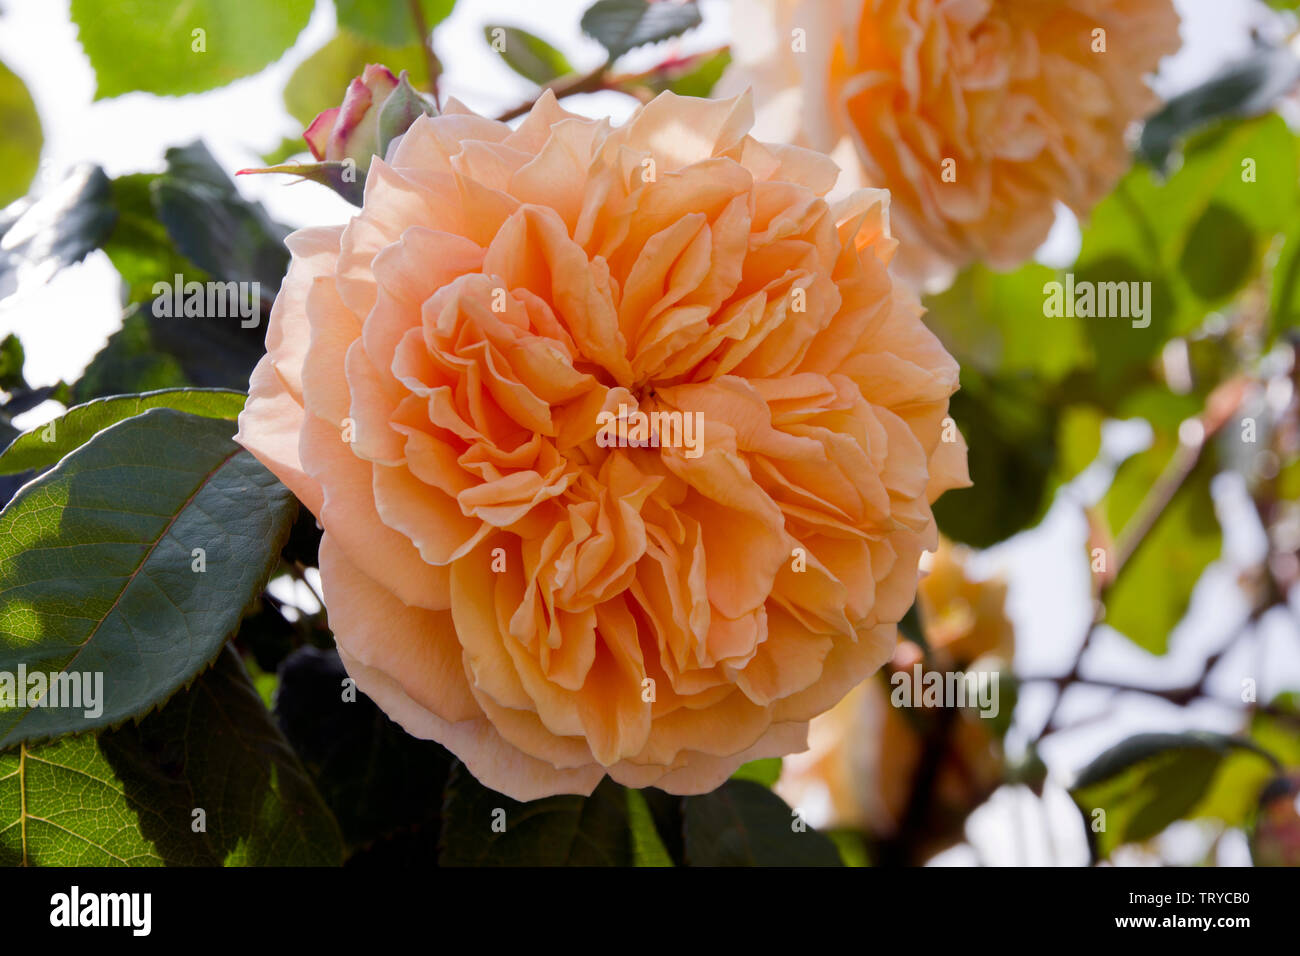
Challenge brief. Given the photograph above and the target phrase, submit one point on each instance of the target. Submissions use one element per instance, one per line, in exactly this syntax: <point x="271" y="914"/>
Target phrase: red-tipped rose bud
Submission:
<point x="351" y="131"/>
<point x="377" y="108"/>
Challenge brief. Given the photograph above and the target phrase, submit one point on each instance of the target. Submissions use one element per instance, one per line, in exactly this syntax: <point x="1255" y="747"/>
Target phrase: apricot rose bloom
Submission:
<point x="501" y="580"/>
<point x="1028" y="99"/>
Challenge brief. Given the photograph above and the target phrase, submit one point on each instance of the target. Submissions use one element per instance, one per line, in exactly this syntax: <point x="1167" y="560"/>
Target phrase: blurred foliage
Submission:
<point x="1135" y="790"/>
<point x="390" y="22"/>
<point x="20" y="149"/>
<point x="528" y="54"/>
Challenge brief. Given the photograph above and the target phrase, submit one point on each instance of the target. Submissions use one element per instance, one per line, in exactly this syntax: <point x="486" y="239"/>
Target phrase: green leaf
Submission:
<point x="852" y="847"/>
<point x="139" y="246"/>
<point x="12" y="359"/>
<point x="320" y="81"/>
<point x="216" y="228"/>
<point x="695" y="76"/>
<point x="742" y="823"/>
<point x="20" y="149"/>
<point x="1285" y="311"/>
<point x="1243" y="88"/>
<point x="82" y="422"/>
<point x="1197" y="236"/>
<point x="763" y="772"/>
<point x="127" y="797"/>
<point x="163" y="47"/>
<point x="129" y="362"/>
<point x="564" y="830"/>
<point x="375" y="777"/>
<point x="527" y="54"/>
<point x="1010" y="428"/>
<point x="98" y="570"/>
<point x="205" y="329"/>
<point x="390" y="21"/>
<point x="997" y="322"/>
<point x="1078" y="441"/>
<point x="1148" y="781"/>
<point x="647" y="846"/>
<point x="1153" y="592"/>
<point x="622" y="25"/>
<point x="37" y="238"/>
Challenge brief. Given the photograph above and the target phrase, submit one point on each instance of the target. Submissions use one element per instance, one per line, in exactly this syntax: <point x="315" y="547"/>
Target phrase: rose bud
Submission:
<point x="376" y="110"/>
<point x="351" y="131"/>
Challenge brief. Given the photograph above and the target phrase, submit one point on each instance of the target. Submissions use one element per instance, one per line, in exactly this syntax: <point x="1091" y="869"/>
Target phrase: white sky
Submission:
<point x="63" y="323"/>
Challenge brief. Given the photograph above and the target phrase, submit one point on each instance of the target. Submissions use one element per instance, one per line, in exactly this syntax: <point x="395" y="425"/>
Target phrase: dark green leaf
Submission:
<point x="139" y="246"/>
<point x="527" y="54"/>
<point x="480" y="827"/>
<point x="42" y="236"/>
<point x="43" y="446"/>
<point x="647" y="846"/>
<point x="129" y="362"/>
<point x="99" y="572"/>
<point x="213" y="226"/>
<point x="128" y="797"/>
<point x="1011" y="431"/>
<point x="742" y="823"/>
<point x="376" y="777"/>
<point x="666" y="811"/>
<point x="11" y="364"/>
<point x="161" y="47"/>
<point x="267" y="637"/>
<point x="622" y="25"/>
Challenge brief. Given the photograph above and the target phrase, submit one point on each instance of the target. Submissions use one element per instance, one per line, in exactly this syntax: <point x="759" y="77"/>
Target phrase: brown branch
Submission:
<point x="600" y="79"/>
<point x="432" y="67"/>
<point x="1219" y="408"/>
<point x="592" y="82"/>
